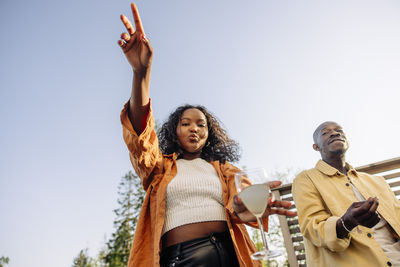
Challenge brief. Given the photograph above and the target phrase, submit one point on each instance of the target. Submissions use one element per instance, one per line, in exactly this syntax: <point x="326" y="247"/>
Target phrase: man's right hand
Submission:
<point x="362" y="213"/>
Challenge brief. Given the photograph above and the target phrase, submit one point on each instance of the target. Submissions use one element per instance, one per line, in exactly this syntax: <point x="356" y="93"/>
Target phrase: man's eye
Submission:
<point x="324" y="133"/>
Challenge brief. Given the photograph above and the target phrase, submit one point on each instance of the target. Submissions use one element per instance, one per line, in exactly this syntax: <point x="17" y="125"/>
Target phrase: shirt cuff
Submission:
<point x="333" y="242"/>
<point x="127" y="124"/>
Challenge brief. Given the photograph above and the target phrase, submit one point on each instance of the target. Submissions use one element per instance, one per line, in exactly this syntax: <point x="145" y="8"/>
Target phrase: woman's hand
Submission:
<point x="135" y="45"/>
<point x="273" y="207"/>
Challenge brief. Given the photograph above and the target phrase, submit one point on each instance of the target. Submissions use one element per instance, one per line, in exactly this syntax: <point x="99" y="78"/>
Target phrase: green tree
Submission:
<point x="131" y="196"/>
<point x="117" y="248"/>
<point x="4" y="261"/>
<point x="83" y="260"/>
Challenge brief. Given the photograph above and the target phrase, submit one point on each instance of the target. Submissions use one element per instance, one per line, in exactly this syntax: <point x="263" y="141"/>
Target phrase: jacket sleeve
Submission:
<point x="316" y="222"/>
<point x="144" y="152"/>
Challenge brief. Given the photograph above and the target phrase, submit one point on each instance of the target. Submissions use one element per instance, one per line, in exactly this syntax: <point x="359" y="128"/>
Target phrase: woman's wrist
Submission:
<point x="142" y="73"/>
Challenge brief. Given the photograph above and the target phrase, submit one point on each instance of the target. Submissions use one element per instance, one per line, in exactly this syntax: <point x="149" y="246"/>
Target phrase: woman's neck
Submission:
<point x="190" y="156"/>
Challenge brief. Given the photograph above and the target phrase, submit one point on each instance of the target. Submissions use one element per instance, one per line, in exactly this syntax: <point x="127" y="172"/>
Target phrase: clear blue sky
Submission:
<point x="270" y="70"/>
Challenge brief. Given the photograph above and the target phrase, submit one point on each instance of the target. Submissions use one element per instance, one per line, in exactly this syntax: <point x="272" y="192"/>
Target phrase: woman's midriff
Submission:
<point x="191" y="231"/>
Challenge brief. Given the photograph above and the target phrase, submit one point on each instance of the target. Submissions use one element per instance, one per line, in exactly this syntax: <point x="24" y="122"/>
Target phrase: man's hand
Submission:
<point x="362" y="213"/>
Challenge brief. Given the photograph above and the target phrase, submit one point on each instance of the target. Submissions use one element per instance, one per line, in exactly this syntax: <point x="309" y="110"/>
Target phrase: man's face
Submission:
<point x="330" y="140"/>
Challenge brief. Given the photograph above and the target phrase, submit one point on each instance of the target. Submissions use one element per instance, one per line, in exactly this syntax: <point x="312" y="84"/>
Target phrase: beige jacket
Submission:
<point x="322" y="195"/>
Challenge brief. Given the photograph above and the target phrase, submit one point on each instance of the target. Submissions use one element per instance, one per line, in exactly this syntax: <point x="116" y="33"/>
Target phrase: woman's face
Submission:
<point x="192" y="132"/>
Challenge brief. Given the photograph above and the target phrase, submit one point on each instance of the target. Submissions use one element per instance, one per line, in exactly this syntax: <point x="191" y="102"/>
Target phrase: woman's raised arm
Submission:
<point x="139" y="54"/>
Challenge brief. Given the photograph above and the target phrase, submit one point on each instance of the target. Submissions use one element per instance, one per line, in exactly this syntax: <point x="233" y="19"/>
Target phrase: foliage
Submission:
<point x="256" y="237"/>
<point x="117" y="248"/>
<point x="83" y="260"/>
<point x="131" y="196"/>
<point x="4" y="260"/>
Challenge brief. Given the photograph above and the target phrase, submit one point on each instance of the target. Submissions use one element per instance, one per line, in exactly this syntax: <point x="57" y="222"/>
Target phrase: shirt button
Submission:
<point x="389" y="263"/>
<point x="177" y="258"/>
<point x="347" y="184"/>
<point x="369" y="235"/>
<point x="213" y="238"/>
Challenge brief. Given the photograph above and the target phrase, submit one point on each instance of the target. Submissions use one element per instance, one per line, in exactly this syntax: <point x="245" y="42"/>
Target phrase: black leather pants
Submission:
<point x="215" y="250"/>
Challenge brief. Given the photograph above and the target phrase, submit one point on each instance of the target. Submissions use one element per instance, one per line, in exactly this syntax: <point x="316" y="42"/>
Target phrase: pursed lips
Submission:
<point x="193" y="137"/>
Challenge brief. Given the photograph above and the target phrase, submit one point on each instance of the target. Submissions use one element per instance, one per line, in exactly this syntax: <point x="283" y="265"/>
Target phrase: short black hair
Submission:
<point x="319" y="128"/>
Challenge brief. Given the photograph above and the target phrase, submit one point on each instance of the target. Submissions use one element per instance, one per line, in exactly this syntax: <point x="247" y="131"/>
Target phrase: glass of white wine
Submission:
<point x="253" y="188"/>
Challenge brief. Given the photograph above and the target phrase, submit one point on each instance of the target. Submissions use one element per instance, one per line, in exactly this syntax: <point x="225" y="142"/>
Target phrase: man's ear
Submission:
<point x="316" y="147"/>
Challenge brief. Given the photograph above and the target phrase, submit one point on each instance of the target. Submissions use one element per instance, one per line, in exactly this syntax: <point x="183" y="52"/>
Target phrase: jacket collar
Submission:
<point x="327" y="169"/>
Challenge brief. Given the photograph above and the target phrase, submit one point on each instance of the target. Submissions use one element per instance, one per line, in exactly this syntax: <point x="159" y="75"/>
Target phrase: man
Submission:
<point x="347" y="218"/>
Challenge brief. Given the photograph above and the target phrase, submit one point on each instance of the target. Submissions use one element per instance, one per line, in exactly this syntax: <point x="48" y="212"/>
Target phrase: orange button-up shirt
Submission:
<point x="156" y="171"/>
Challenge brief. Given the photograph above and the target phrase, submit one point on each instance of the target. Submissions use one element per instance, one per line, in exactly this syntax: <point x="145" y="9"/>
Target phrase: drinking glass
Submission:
<point x="253" y="188"/>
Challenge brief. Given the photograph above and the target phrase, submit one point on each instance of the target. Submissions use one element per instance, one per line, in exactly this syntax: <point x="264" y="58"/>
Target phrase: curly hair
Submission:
<point x="218" y="145"/>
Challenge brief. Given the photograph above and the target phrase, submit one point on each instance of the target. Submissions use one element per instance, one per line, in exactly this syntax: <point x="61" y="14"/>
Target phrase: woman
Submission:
<point x="190" y="215"/>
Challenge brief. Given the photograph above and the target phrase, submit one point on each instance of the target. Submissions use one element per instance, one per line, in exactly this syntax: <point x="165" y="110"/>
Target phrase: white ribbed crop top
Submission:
<point x="194" y="195"/>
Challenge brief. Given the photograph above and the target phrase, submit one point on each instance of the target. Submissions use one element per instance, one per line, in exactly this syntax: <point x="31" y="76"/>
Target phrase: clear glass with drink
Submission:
<point x="253" y="188"/>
